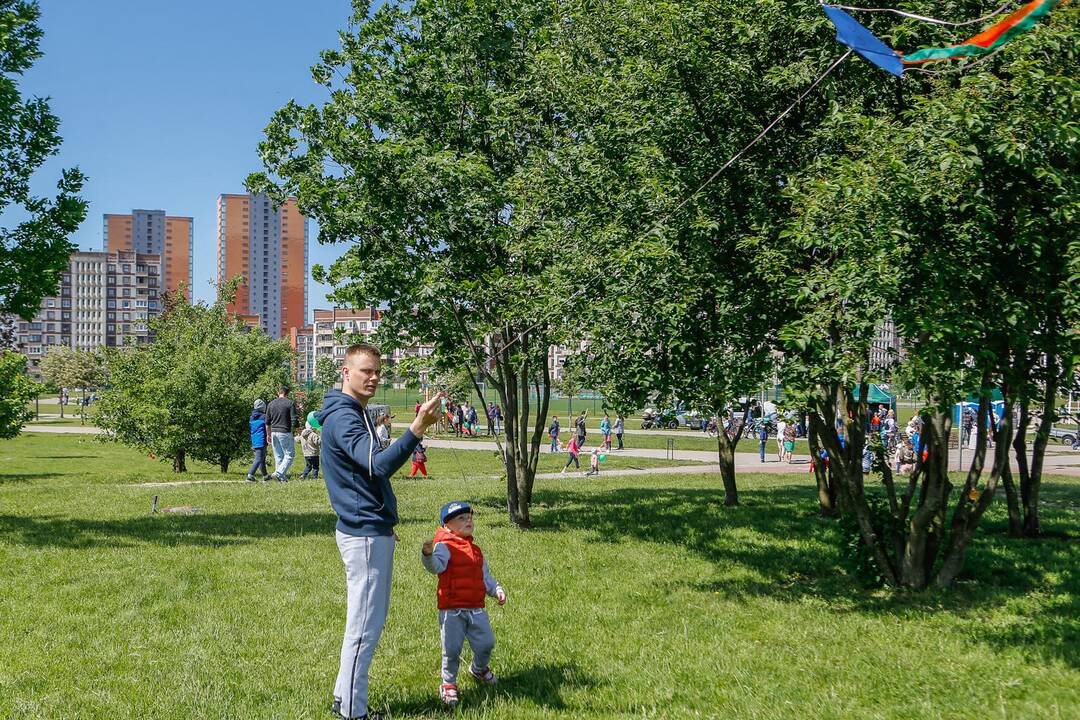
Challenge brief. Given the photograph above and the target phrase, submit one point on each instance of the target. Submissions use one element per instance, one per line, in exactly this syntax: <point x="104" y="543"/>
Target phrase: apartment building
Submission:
<point x="152" y="232"/>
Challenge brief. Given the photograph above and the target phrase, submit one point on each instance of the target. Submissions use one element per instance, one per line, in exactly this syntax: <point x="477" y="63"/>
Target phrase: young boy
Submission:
<point x="310" y="442"/>
<point x="464" y="580"/>
<point x="419" y="460"/>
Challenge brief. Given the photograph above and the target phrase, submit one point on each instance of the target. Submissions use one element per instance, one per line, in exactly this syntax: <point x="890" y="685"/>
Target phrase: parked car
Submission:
<point x="1065" y="437"/>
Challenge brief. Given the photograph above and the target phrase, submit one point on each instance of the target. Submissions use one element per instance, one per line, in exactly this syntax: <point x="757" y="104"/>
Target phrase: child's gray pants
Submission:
<point x="455" y="626"/>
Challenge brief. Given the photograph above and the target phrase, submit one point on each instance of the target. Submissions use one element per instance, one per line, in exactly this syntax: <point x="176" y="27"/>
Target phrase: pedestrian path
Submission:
<point x="1064" y="463"/>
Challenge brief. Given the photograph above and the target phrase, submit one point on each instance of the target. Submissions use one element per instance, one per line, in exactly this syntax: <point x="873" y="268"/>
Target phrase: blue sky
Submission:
<point x="162" y="104"/>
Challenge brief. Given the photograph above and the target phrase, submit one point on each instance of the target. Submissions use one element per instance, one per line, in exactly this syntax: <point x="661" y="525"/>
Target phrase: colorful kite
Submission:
<point x="849" y="32"/>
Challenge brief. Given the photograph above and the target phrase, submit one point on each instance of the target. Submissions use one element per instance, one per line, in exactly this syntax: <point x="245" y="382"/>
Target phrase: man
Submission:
<point x="357" y="473"/>
<point x="491" y="419"/>
<point x="580" y="423"/>
<point x="281" y="417"/>
<point x="553" y="433"/>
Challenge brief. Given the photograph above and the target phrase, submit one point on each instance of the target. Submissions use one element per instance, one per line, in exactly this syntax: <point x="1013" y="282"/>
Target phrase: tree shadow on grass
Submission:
<point x="6" y="478"/>
<point x="204" y="530"/>
<point x="540" y="685"/>
<point x="774" y="545"/>
<point x="200" y="529"/>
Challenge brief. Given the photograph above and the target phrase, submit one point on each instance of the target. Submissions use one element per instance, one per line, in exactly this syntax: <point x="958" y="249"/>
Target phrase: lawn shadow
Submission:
<point x="25" y="477"/>
<point x="775" y="545"/>
<point x="203" y="530"/>
<point x="541" y="685"/>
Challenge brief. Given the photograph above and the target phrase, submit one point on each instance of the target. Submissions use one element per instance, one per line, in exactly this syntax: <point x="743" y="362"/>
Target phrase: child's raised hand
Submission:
<point x="428" y="548"/>
<point x="500" y="596"/>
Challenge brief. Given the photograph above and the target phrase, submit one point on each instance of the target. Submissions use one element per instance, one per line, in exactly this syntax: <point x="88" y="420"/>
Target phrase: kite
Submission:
<point x="851" y="33"/>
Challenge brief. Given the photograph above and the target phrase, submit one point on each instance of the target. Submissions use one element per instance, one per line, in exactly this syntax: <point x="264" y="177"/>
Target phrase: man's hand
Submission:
<point x="429" y="414"/>
<point x="500" y="595"/>
<point x="428" y="548"/>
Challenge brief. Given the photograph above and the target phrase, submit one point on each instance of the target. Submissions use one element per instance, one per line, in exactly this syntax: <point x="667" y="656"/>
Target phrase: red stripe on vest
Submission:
<point x="461" y="585"/>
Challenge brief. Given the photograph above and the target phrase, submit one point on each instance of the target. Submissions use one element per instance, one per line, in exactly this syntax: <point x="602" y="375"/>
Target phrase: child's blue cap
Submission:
<point x="453" y="509"/>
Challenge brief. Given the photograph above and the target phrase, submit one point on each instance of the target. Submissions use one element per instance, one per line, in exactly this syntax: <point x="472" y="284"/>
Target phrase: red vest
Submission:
<point x="461" y="585"/>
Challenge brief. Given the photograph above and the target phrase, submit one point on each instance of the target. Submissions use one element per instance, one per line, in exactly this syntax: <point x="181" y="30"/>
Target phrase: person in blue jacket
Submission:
<point x="257" y="426"/>
<point x="357" y="472"/>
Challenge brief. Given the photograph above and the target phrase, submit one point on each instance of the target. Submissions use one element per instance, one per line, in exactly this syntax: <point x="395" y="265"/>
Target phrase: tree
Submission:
<point x="187" y="394"/>
<point x="671" y="94"/>
<point x="955" y="218"/>
<point x="433" y="157"/>
<point x="327" y="372"/>
<point x="65" y="367"/>
<point x="35" y="251"/>
<point x="19" y="392"/>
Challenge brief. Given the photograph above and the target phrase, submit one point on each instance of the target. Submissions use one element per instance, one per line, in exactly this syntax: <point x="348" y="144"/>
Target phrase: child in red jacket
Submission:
<point x="464" y="581"/>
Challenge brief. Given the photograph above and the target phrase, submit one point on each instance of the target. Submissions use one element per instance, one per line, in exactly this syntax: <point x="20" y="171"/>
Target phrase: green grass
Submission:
<point x="632" y="598"/>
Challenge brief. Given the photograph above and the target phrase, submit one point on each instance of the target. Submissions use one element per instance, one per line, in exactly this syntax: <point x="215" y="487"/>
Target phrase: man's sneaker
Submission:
<point x="448" y="694"/>
<point x="335" y="708"/>
<point x="251" y="478"/>
<point x="485" y="676"/>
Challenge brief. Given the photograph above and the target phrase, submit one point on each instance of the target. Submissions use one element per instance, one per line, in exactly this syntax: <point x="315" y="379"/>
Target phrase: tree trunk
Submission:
<point x="223" y="462"/>
<point x="178" y="464"/>
<point x="726" y="454"/>
<point x="1032" y="526"/>
<point x="972" y="504"/>
<point x="826" y="487"/>
<point x="927" y="524"/>
<point x="1012" y="497"/>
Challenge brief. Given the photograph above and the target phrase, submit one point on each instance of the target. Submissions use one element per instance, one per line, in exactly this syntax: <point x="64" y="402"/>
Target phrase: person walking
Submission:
<point x="620" y="426"/>
<point x="382" y="430"/>
<point x="257" y="428"/>
<point x="474" y="419"/>
<point x="572" y="449"/>
<point x="789" y="442"/>
<point x="491" y="419"/>
<point x="781" y="427"/>
<point x="357" y="474"/>
<point x="580" y="424"/>
<point x="281" y="416"/>
<point x="553" y="433"/>
<point x="605" y="430"/>
<point x="763" y="440"/>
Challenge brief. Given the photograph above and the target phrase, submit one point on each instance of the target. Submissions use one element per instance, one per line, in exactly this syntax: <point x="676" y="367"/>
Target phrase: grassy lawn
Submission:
<point x="633" y="597"/>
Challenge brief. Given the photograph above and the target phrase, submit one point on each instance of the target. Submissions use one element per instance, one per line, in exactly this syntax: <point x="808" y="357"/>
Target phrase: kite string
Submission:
<point x="923" y="18"/>
<point x="657" y="225"/>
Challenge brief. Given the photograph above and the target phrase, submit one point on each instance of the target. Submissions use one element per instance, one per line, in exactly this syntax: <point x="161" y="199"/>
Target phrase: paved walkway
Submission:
<point x="64" y="429"/>
<point x="1065" y="462"/>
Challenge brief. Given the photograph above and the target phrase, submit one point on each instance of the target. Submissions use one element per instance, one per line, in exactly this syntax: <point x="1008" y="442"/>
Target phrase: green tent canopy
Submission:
<point x="876" y="395"/>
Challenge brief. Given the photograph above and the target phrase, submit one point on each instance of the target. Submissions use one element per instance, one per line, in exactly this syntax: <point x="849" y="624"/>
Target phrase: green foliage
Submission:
<point x="327" y="372"/>
<point x="436" y="158"/>
<point x="189" y="393"/>
<point x="19" y="391"/>
<point x="64" y="366"/>
<point x="35" y="251"/>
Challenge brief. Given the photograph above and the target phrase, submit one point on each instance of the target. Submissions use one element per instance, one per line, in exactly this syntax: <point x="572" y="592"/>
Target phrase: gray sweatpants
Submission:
<point x="455" y="626"/>
<point x="368" y="565"/>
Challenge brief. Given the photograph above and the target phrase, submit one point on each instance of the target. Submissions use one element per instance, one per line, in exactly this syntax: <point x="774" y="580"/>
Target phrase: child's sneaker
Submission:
<point x="485" y="676"/>
<point x="448" y="694"/>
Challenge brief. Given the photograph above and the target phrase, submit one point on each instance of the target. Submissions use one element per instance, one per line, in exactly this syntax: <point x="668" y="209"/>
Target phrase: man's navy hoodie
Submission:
<point x="356" y="470"/>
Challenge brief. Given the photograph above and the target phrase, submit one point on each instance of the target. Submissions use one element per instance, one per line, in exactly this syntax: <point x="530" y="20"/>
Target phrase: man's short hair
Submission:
<point x="362" y="349"/>
<point x="283" y="390"/>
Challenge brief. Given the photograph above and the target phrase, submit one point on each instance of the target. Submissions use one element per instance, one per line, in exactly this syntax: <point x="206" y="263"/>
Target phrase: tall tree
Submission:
<point x="433" y="158"/>
<point x="34" y="251"/>
<point x="188" y="394"/>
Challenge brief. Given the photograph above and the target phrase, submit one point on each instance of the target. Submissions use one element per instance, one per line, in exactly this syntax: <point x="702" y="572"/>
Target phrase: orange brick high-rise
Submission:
<point x="154" y="232"/>
<point x="268" y="248"/>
